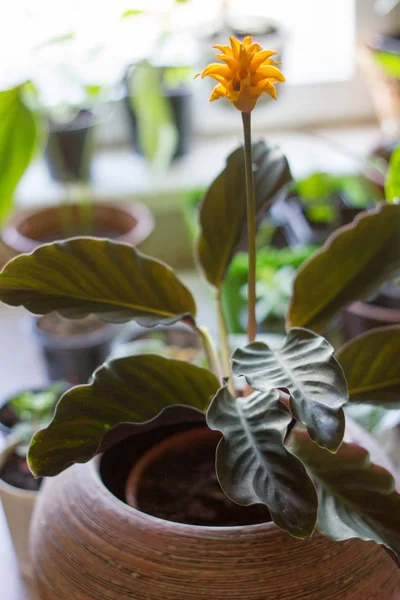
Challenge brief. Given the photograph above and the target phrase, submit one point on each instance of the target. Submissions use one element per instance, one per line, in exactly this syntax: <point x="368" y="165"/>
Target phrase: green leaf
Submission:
<point x="253" y="465"/>
<point x="392" y="180"/>
<point x="357" y="499"/>
<point x="389" y="62"/>
<point x="223" y="211"/>
<point x="17" y="144"/>
<point x="371" y="364"/>
<point x="305" y="366"/>
<point x="131" y="12"/>
<point x="352" y="264"/>
<point x="157" y="133"/>
<point x="85" y="275"/>
<point x="128" y="390"/>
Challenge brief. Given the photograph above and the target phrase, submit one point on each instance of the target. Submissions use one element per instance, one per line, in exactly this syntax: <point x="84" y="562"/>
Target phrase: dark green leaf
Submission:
<point x="305" y="366"/>
<point x="17" y="144"/>
<point x="85" y="275"/>
<point x="392" y="181"/>
<point x="357" y="499"/>
<point x="223" y="211"/>
<point x="253" y="465"/>
<point x="129" y="390"/>
<point x="352" y="264"/>
<point x="371" y="364"/>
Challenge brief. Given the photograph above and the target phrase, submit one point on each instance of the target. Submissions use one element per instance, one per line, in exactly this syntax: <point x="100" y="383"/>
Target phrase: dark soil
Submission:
<point x="57" y="325"/>
<point x="16" y="472"/>
<point x="186" y="490"/>
<point x="78" y="231"/>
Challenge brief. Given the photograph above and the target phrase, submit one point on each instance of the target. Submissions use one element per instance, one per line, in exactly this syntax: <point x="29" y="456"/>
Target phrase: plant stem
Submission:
<point x="224" y="342"/>
<point x="251" y="229"/>
<point x="210" y="351"/>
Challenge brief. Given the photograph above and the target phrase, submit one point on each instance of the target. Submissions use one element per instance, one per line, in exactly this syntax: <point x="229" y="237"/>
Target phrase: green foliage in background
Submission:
<point x="389" y="62"/>
<point x="157" y="133"/>
<point x="33" y="410"/>
<point x="317" y="190"/>
<point x="18" y="137"/>
<point x="275" y="275"/>
<point x="392" y="181"/>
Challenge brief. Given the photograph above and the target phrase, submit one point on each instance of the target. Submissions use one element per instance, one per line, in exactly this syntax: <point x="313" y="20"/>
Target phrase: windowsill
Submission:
<point x="121" y="174"/>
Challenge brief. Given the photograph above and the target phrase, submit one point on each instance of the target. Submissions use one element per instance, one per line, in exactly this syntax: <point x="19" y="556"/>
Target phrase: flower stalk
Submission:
<point x="251" y="228"/>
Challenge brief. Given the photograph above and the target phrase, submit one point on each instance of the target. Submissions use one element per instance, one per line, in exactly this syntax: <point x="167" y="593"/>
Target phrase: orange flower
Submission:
<point x="248" y="72"/>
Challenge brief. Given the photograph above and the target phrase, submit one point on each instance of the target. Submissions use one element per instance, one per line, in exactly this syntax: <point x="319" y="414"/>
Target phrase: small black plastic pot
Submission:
<point x="74" y="357"/>
<point x="180" y="100"/>
<point x="69" y="148"/>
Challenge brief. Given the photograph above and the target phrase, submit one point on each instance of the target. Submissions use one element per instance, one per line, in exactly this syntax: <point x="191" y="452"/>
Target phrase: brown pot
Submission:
<point x="87" y="544"/>
<point x="362" y="316"/>
<point x="27" y="229"/>
<point x="168" y="450"/>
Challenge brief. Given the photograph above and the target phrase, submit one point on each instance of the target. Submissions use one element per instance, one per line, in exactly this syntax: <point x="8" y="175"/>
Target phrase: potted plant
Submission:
<point x="316" y="205"/>
<point x="159" y="105"/>
<point x="56" y="106"/>
<point x="158" y="94"/>
<point x="20" y="417"/>
<point x="280" y="446"/>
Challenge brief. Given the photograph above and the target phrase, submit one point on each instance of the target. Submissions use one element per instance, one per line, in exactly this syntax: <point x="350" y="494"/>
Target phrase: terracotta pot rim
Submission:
<point x="138" y="212"/>
<point x="171" y="442"/>
<point x="11" y="489"/>
<point x="179" y="528"/>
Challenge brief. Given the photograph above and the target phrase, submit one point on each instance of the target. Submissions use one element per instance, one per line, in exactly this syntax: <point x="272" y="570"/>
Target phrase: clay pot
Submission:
<point x="18" y="505"/>
<point x="88" y="544"/>
<point x="27" y="229"/>
<point x="167" y="451"/>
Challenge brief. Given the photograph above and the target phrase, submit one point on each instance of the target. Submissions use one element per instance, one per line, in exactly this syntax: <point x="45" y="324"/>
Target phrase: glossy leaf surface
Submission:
<point x="352" y="264"/>
<point x="253" y="465"/>
<point x="357" y="499"/>
<point x="305" y="366"/>
<point x="128" y="390"/>
<point x="223" y="211"/>
<point x="371" y="363"/>
<point x="85" y="275"/>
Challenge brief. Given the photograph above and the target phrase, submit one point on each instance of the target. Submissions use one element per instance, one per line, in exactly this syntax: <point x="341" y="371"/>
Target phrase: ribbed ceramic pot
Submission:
<point x="89" y="545"/>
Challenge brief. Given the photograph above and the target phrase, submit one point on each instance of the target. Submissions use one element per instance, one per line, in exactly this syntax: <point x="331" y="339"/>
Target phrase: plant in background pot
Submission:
<point x="293" y="498"/>
<point x="20" y="417"/>
<point x="317" y="205"/>
<point x="158" y="95"/>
